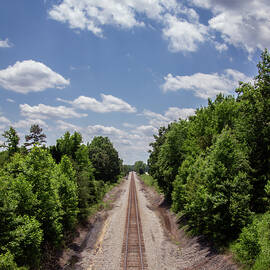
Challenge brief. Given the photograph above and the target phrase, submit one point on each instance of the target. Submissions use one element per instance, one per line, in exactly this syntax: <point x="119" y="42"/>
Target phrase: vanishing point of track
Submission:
<point x="133" y="250"/>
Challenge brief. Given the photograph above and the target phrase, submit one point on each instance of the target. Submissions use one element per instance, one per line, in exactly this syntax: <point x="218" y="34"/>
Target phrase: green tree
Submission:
<point x="68" y="192"/>
<point x="253" y="129"/>
<point x="171" y="155"/>
<point x="35" y="137"/>
<point x="66" y="145"/>
<point x="140" y="167"/>
<point x="39" y="169"/>
<point x="20" y="231"/>
<point x="87" y="190"/>
<point x="253" y="245"/>
<point x="218" y="190"/>
<point x="105" y="159"/>
<point x="7" y="262"/>
<point x="12" y="141"/>
<point x="154" y="153"/>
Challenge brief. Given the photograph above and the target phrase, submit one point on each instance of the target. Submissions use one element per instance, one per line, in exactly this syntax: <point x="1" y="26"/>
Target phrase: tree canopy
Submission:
<point x="215" y="168"/>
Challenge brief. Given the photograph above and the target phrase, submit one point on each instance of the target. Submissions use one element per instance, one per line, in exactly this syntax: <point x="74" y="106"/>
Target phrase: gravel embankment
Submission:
<point x="162" y="252"/>
<point x="107" y="252"/>
<point x="166" y="247"/>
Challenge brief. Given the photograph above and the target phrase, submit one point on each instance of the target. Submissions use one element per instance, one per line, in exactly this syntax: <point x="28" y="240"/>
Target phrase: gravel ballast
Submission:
<point x="163" y="252"/>
<point x="107" y="252"/>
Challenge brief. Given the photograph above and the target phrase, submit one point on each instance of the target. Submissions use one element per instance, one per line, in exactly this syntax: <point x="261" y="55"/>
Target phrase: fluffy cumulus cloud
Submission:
<point x="42" y="111"/>
<point x="205" y="85"/>
<point x="175" y="113"/>
<point x="104" y="131"/>
<point x="157" y="120"/>
<point x="132" y="140"/>
<point x="5" y="43"/>
<point x="4" y="120"/>
<point x="183" y="35"/>
<point x="92" y="15"/>
<point x="146" y="130"/>
<point x="26" y="123"/>
<point x="130" y="144"/>
<point x="108" y="103"/>
<point x="30" y="76"/>
<point x="180" y="24"/>
<point x="241" y="23"/>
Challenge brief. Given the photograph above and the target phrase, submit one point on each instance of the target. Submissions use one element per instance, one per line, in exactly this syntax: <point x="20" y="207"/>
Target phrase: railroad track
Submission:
<point x="133" y="249"/>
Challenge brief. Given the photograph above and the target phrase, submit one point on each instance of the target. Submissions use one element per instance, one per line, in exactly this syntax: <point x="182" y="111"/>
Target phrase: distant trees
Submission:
<point x="140" y="167"/>
<point x="105" y="159"/>
<point x="215" y="169"/>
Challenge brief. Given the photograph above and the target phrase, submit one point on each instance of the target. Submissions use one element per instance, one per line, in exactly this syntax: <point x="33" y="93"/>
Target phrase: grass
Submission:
<point x="150" y="181"/>
<point x="93" y="209"/>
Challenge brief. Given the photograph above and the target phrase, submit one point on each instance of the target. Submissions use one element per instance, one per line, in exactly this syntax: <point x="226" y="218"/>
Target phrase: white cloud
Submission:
<point x="103" y="130"/>
<point x="5" y="43"/>
<point x="42" y="111"/>
<point x="183" y="35"/>
<point x="109" y="103"/>
<point x="175" y="113"/>
<point x="146" y="130"/>
<point x="30" y="76"/>
<point x="28" y="122"/>
<point x="93" y="15"/>
<point x="10" y="100"/>
<point x="221" y="46"/>
<point x="92" y="130"/>
<point x="205" y="85"/>
<point x="157" y="120"/>
<point x="243" y="24"/>
<point x="131" y="145"/>
<point x="180" y="23"/>
<point x="4" y="120"/>
<point x="67" y="126"/>
<point x="128" y="125"/>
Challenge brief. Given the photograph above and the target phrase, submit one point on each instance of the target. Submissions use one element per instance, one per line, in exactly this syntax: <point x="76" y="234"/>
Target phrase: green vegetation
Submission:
<point x="139" y="167"/>
<point x="214" y="168"/>
<point x="45" y="192"/>
<point x="150" y="181"/>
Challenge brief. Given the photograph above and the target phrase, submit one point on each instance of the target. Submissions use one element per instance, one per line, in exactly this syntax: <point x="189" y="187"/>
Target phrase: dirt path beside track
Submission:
<point x="167" y="246"/>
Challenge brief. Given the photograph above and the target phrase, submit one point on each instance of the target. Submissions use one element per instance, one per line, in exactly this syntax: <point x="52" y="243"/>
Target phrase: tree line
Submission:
<point x="214" y="169"/>
<point x="139" y="167"/>
<point x="46" y="191"/>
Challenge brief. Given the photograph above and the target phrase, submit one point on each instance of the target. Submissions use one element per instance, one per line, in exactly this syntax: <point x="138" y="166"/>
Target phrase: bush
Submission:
<point x="25" y="241"/>
<point x="253" y="245"/>
<point x="150" y="181"/>
<point x="7" y="262"/>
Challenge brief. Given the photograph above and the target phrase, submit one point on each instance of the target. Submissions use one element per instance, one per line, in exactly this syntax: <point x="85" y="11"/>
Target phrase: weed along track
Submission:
<point x="133" y="249"/>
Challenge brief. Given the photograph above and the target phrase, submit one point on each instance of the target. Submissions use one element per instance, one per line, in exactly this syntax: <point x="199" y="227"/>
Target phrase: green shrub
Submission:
<point x="25" y="241"/>
<point x="247" y="247"/>
<point x="7" y="262"/>
<point x="150" y="181"/>
<point x="252" y="248"/>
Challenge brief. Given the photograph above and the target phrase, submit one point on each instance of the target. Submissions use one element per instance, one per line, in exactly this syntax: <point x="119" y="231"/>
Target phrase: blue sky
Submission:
<point x="122" y="68"/>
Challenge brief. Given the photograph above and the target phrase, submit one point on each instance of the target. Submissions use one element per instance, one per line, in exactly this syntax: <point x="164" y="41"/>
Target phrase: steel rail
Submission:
<point x="126" y="251"/>
<point x="131" y="219"/>
<point x="138" y="225"/>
